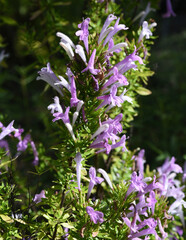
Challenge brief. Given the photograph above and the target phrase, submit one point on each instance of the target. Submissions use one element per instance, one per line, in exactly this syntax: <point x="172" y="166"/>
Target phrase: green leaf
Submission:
<point x="7" y="219"/>
<point x="67" y="225"/>
<point x="20" y="221"/>
<point x="143" y="91"/>
<point x="8" y="20"/>
<point x="6" y="163"/>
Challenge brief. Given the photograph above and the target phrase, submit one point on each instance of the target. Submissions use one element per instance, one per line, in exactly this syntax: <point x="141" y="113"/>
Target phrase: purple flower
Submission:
<point x="36" y="157"/>
<point x="106" y="177"/>
<point x="80" y="50"/>
<point x="74" y="100"/>
<point x="151" y="223"/>
<point x="4" y="144"/>
<point x="18" y="133"/>
<point x="110" y="99"/>
<point x="152" y="186"/>
<point x="184" y="172"/>
<point x="127" y="63"/>
<point x="137" y="184"/>
<point x="49" y="76"/>
<point x="170" y="166"/>
<point x="117" y="28"/>
<point x="23" y="144"/>
<point x="7" y="130"/>
<point x="120" y="143"/>
<point x="3" y="55"/>
<point x="78" y="160"/>
<point x="115" y="48"/>
<point x="63" y="116"/>
<point x="55" y="107"/>
<point x="151" y="201"/>
<point x="37" y="198"/>
<point x="76" y="113"/>
<point x="105" y="30"/>
<point x="90" y="65"/>
<point x="96" y="84"/>
<point x="116" y="77"/>
<point x="67" y="234"/>
<point x="67" y="44"/>
<point x="140" y="161"/>
<point x="143" y="14"/>
<point x="106" y="132"/>
<point x="95" y="216"/>
<point x="163" y="233"/>
<point x="176" y="209"/>
<point x="145" y="32"/>
<point x="93" y="180"/>
<point x="84" y="33"/>
<point x="66" y="120"/>
<point x="65" y="39"/>
<point x="122" y="98"/>
<point x="170" y="11"/>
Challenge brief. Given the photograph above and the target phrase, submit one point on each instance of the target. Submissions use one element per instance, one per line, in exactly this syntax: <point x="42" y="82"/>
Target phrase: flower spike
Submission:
<point x="78" y="159"/>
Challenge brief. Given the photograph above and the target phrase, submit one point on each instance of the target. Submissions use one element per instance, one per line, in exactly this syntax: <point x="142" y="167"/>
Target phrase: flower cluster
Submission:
<point x="22" y="144"/>
<point x="107" y="79"/>
<point x="172" y="187"/>
<point x="108" y="83"/>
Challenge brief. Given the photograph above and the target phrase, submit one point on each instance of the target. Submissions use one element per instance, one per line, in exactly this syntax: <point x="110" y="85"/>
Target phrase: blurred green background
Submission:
<point x="27" y="33"/>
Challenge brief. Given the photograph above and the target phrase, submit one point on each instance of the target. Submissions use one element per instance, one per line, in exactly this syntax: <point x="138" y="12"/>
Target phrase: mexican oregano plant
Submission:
<point x="100" y="190"/>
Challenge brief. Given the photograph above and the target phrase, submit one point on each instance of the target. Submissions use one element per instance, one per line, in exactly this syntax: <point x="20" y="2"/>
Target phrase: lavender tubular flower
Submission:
<point x="78" y="159"/>
<point x="3" y="55"/>
<point x="140" y="161"/>
<point x="176" y="209"/>
<point x="79" y="50"/>
<point x="38" y="197"/>
<point x="36" y="157"/>
<point x="106" y="177"/>
<point x="76" y="113"/>
<point x="93" y="180"/>
<point x="65" y="39"/>
<point x="23" y="144"/>
<point x="55" y="107"/>
<point x="4" y="144"/>
<point x="65" y="118"/>
<point x="117" y="28"/>
<point x="84" y="33"/>
<point x="48" y="76"/>
<point x="67" y="44"/>
<point x="163" y="233"/>
<point x="101" y="129"/>
<point x="170" y="11"/>
<point x="90" y="65"/>
<point x="64" y="83"/>
<point x="151" y="201"/>
<point x="74" y="100"/>
<point x="170" y="166"/>
<point x="116" y="47"/>
<point x="121" y="143"/>
<point x="7" y="130"/>
<point x="145" y="32"/>
<point x="110" y="99"/>
<point x="130" y="58"/>
<point x="137" y="184"/>
<point x="95" y="216"/>
<point x="116" y="77"/>
<point x="108" y="21"/>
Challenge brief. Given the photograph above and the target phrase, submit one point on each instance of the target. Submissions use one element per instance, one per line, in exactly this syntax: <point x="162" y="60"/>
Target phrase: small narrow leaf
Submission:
<point x="7" y="219"/>
<point x="143" y="91"/>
